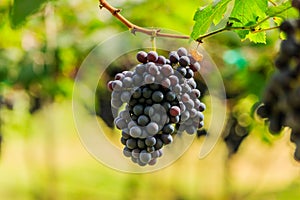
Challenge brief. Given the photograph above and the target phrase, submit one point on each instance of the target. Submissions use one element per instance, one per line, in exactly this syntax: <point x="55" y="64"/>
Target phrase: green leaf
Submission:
<point x="206" y="16"/>
<point x="247" y="13"/>
<point x="283" y="11"/>
<point x="21" y="9"/>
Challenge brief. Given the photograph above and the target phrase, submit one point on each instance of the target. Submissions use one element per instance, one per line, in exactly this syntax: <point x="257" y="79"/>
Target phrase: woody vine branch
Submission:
<point x="156" y="32"/>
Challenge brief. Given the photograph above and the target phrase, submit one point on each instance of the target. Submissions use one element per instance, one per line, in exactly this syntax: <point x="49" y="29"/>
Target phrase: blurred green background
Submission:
<point x="41" y="154"/>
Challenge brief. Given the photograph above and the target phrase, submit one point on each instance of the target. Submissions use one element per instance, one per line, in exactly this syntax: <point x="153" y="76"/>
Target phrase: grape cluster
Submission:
<point x="155" y="102"/>
<point x="281" y="100"/>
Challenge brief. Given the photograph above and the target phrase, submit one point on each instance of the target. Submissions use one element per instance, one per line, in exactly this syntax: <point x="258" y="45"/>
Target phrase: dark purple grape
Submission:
<point x="182" y="51"/>
<point x="159" y="144"/>
<point x="152" y="56"/>
<point x="182" y="71"/>
<point x="150" y="141"/>
<point x="170" y="96"/>
<point x="173" y="57"/>
<point x="167" y="70"/>
<point x="189" y="73"/>
<point x="145" y="157"/>
<point x="184" y="61"/>
<point x="168" y="128"/>
<point x="195" y="66"/>
<point x="138" y="109"/>
<point x="131" y="143"/>
<point x="166" y="138"/>
<point x="161" y="60"/>
<point x="127" y="152"/>
<point x="147" y="93"/>
<point x="143" y="120"/>
<point x="142" y="56"/>
<point x="157" y="96"/>
<point x="141" y="144"/>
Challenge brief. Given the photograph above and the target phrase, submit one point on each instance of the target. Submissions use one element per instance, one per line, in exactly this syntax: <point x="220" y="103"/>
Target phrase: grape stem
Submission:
<point x="156" y="32"/>
<point x="134" y="28"/>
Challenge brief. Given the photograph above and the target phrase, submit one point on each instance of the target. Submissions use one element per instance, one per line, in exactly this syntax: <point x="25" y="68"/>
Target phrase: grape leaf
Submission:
<point x="21" y="9"/>
<point x="204" y="17"/>
<point x="248" y="13"/>
<point x="283" y="11"/>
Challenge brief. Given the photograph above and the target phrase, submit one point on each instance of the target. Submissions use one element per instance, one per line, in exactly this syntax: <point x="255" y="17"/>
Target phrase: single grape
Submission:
<point x="138" y="109"/>
<point x="137" y="93"/>
<point x="184" y="61"/>
<point x="168" y="128"/>
<point x="145" y="157"/>
<point x="142" y="100"/>
<point x="147" y="93"/>
<point x="149" y="79"/>
<point x="190" y="130"/>
<point x="152" y="128"/>
<point x="181" y="70"/>
<point x="143" y="120"/>
<point x="174" y="80"/>
<point x="120" y="123"/>
<point x="135" y="132"/>
<point x="150" y="141"/>
<point x="167" y="70"/>
<point x="141" y="143"/>
<point x="119" y="76"/>
<point x="173" y="57"/>
<point x="125" y="96"/>
<point x="152" y="162"/>
<point x="125" y="135"/>
<point x="166" y="83"/>
<point x="196" y="92"/>
<point x="135" y="153"/>
<point x="161" y="60"/>
<point x="182" y="51"/>
<point x="142" y="56"/>
<point x="140" y="69"/>
<point x="150" y="149"/>
<point x="166" y="105"/>
<point x="157" y="96"/>
<point x="166" y="138"/>
<point x="202" y="107"/>
<point x="175" y="119"/>
<point x="185" y="116"/>
<point x="123" y="141"/>
<point x="131" y="143"/>
<point x="152" y="56"/>
<point x="189" y="73"/>
<point x="174" y="111"/>
<point x="127" y="82"/>
<point x="127" y="152"/>
<point x="159" y="144"/>
<point x="117" y="85"/>
<point x="110" y="85"/>
<point x="195" y="67"/>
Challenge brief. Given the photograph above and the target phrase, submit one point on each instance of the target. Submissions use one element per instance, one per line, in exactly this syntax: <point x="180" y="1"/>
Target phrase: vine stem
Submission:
<point x="134" y="28"/>
<point x="156" y="32"/>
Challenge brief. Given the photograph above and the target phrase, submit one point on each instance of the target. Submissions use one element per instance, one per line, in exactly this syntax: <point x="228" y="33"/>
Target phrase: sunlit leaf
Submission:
<point x="249" y="12"/>
<point x="204" y="17"/>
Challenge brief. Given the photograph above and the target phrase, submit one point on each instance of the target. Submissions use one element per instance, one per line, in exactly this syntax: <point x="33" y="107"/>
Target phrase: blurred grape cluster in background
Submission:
<point x="41" y="154"/>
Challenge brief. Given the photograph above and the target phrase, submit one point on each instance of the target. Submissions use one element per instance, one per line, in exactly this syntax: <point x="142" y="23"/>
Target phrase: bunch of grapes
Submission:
<point x="281" y="100"/>
<point x="155" y="102"/>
